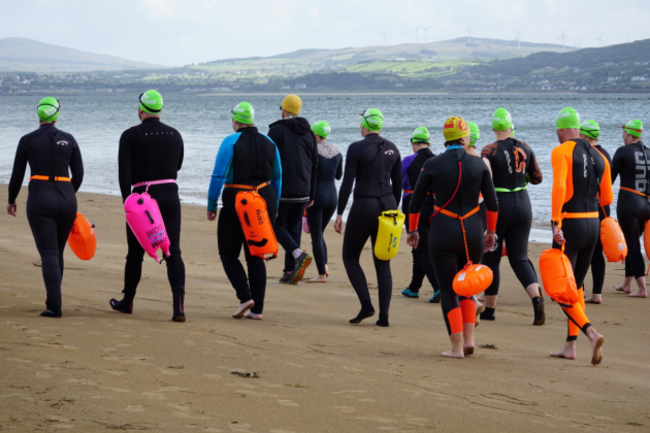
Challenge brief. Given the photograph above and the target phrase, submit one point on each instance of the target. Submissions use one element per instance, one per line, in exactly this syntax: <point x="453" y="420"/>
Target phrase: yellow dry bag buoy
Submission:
<point x="388" y="234"/>
<point x="612" y="239"/>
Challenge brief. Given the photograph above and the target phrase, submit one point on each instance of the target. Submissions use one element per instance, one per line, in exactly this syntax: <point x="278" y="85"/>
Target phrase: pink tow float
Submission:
<point x="144" y="218"/>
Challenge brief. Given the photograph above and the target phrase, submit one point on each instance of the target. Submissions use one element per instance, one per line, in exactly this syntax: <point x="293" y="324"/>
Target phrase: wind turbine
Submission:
<point x="425" y="32"/>
<point x="600" y="40"/>
<point x="518" y="37"/>
<point x="563" y="38"/>
<point x="384" y="35"/>
<point x="417" y="33"/>
<point x="469" y="32"/>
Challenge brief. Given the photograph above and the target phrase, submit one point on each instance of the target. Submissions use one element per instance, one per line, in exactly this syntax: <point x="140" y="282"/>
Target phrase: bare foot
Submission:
<point x="327" y="271"/>
<point x="479" y="309"/>
<point x="567" y="352"/>
<point x="595" y="299"/>
<point x="319" y="279"/>
<point x="597" y="342"/>
<point x="453" y="354"/>
<point x="622" y="288"/>
<point x="638" y="294"/>
<point x="243" y="308"/>
<point x="250" y="315"/>
<point x="468" y="350"/>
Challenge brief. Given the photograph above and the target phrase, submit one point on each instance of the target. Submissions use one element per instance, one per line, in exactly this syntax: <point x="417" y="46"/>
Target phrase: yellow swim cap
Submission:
<point x="292" y="104"/>
<point x="455" y="128"/>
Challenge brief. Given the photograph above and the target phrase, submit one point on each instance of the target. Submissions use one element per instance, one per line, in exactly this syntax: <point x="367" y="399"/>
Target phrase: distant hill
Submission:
<point x="27" y="55"/>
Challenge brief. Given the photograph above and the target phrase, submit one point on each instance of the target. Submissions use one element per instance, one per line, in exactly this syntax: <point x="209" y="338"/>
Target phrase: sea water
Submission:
<point x="98" y="120"/>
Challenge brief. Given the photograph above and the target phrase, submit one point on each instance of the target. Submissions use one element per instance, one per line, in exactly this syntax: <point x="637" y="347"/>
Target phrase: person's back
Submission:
<point x="149" y="158"/>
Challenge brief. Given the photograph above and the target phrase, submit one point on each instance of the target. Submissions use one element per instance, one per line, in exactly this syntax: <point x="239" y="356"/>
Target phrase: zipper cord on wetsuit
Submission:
<point x="645" y="158"/>
<point x="56" y="184"/>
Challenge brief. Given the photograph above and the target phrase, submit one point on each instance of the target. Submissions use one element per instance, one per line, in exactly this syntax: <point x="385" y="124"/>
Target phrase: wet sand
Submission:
<point x="311" y="371"/>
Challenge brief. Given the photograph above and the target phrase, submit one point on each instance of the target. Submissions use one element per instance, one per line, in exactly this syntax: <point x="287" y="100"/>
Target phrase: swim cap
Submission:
<point x="590" y="128"/>
<point x="48" y="109"/>
<point x="420" y="135"/>
<point x="243" y="113"/>
<point x="634" y="127"/>
<point x="321" y="128"/>
<point x="501" y="120"/>
<point x="568" y="118"/>
<point x="151" y="102"/>
<point x="372" y="120"/>
<point x="292" y="104"/>
<point x="455" y="128"/>
<point x="513" y="131"/>
<point x="474" y="133"/>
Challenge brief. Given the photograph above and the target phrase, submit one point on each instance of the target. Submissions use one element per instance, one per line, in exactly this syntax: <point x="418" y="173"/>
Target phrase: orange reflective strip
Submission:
<point x="574" y="215"/>
<point x="249" y="187"/>
<point x="408" y="191"/>
<point x="634" y="191"/>
<point x="56" y="178"/>
<point x="453" y="215"/>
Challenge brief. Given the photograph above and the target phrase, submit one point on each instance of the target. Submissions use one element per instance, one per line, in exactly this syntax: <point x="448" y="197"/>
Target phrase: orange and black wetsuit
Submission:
<point x="446" y="242"/>
<point x="580" y="174"/>
<point x="513" y="166"/>
<point x="632" y="162"/>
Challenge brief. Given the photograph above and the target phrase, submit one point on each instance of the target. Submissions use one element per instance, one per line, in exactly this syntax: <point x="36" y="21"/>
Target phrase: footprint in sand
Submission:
<point x="345" y="409"/>
<point x="154" y="395"/>
<point x="288" y="403"/>
<point x="135" y="408"/>
<point x="43" y="375"/>
<point x="212" y="376"/>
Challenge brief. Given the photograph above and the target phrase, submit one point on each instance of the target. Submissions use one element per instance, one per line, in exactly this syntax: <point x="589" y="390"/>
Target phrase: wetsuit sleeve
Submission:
<point x="18" y="173"/>
<point x="182" y="155"/>
<point x="560" y="160"/>
<point x="276" y="178"/>
<point x="396" y="179"/>
<point x="339" y="167"/>
<point x="606" y="193"/>
<point x="124" y="164"/>
<point x="616" y="164"/>
<point x="222" y="170"/>
<point x="314" y="169"/>
<point x="348" y="180"/>
<point x="534" y="174"/>
<point x="420" y="192"/>
<point x="76" y="168"/>
<point x="490" y="198"/>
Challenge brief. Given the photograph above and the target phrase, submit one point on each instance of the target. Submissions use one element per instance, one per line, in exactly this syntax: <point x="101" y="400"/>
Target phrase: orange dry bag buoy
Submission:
<point x="472" y="280"/>
<point x="504" y="251"/>
<point x="612" y="239"/>
<point x="82" y="239"/>
<point x="557" y="276"/>
<point x="254" y="219"/>
<point x="646" y="239"/>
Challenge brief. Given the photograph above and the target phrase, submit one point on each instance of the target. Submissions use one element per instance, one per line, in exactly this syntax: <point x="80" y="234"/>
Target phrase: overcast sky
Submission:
<point x="179" y="32"/>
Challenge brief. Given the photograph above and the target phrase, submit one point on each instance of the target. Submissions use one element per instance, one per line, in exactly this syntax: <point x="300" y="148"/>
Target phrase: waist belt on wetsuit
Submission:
<point x="634" y="191"/>
<point x="148" y="183"/>
<point x="248" y="187"/>
<point x="519" y="188"/>
<point x="456" y="216"/>
<point x="573" y="215"/>
<point x="52" y="178"/>
<point x="408" y="191"/>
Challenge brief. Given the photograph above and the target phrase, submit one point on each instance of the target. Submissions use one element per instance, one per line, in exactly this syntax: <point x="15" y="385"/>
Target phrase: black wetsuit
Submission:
<point x="513" y="164"/>
<point x="421" y="261"/>
<point x="598" y="265"/>
<point x="51" y="205"/>
<point x="245" y="158"/>
<point x="374" y="165"/>
<point x="153" y="151"/>
<point x="330" y="167"/>
<point x="632" y="163"/>
<point x="446" y="244"/>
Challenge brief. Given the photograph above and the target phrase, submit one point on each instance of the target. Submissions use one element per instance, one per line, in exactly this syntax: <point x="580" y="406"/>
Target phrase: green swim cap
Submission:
<point x="568" y="118"/>
<point x="372" y="120"/>
<point x="474" y="133"/>
<point x="590" y="128"/>
<point x="513" y="131"/>
<point x="243" y="113"/>
<point x="420" y="135"/>
<point x="501" y="120"/>
<point x="321" y="128"/>
<point x="151" y="102"/>
<point x="48" y="109"/>
<point x="634" y="127"/>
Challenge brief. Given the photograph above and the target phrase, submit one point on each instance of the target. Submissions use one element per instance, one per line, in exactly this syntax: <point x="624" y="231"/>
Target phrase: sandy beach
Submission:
<point x="308" y="369"/>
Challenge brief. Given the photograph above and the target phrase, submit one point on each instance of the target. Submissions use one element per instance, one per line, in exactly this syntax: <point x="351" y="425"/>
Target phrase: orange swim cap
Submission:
<point x="455" y="128"/>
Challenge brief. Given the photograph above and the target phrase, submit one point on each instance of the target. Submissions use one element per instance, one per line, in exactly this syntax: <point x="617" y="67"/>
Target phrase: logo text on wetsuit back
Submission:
<point x="640" y="177"/>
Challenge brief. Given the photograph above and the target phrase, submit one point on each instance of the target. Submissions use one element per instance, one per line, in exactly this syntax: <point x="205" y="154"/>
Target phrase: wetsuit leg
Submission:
<point x="51" y="215"/>
<point x="315" y="219"/>
<point x="133" y="267"/>
<point x="363" y="224"/>
<point x="328" y="212"/>
<point x="517" y="243"/>
<point x="423" y="260"/>
<point x="288" y="229"/>
<point x="598" y="267"/>
<point x="492" y="259"/>
<point x="170" y="208"/>
<point x="418" y="273"/>
<point x="632" y="212"/>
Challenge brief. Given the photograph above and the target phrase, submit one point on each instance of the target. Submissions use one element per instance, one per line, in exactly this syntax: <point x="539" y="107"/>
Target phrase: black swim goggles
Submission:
<point x="148" y="107"/>
<point x="58" y="107"/>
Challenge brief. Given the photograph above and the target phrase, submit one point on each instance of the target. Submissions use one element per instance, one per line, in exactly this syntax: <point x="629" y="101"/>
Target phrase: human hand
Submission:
<point x="490" y="238"/>
<point x="212" y="216"/>
<point x="338" y="224"/>
<point x="11" y="209"/>
<point x="309" y="204"/>
<point x="413" y="239"/>
<point x="558" y="236"/>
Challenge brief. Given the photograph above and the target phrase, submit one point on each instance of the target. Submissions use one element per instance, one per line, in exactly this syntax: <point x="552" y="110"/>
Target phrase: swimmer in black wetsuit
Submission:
<point x="513" y="166"/>
<point x="632" y="162"/>
<point x="457" y="179"/>
<point x="590" y="131"/>
<point x="330" y="167"/>
<point x="411" y="169"/>
<point x="374" y="165"/>
<point x="152" y="151"/>
<point x="51" y="203"/>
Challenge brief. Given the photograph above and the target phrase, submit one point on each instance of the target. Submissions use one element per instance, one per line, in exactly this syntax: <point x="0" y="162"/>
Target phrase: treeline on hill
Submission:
<point x="345" y="81"/>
